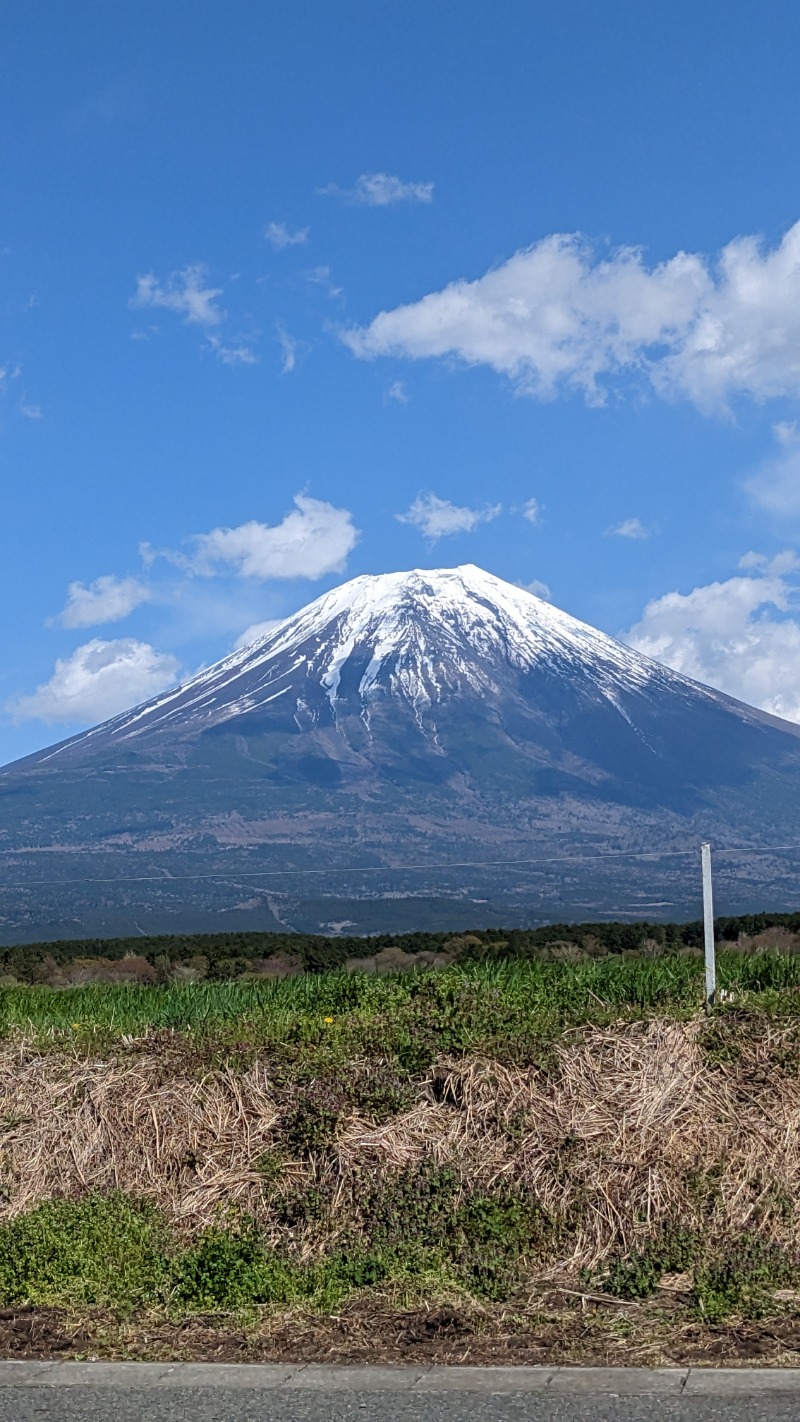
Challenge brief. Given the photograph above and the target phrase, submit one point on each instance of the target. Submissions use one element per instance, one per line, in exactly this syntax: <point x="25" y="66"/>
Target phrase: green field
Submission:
<point x="474" y="1007"/>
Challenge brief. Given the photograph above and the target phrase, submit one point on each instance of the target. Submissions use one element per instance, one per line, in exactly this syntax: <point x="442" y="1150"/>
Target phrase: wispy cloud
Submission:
<point x="629" y="528"/>
<point x="288" y="346"/>
<point x="239" y="354"/>
<point x="775" y="486"/>
<point x="281" y="236"/>
<point x="381" y="190"/>
<point x="397" y="392"/>
<point x="560" y="317"/>
<point x="183" y="293"/>
<point x="107" y="599"/>
<point x="30" y="411"/>
<point x="437" y="518"/>
<point x="531" y="510"/>
<point x="321" y="276"/>
<point x="538" y="588"/>
<point x="256" y="631"/>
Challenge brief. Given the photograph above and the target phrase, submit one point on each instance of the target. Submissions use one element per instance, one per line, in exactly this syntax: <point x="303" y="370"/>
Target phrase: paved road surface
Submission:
<point x="130" y="1392"/>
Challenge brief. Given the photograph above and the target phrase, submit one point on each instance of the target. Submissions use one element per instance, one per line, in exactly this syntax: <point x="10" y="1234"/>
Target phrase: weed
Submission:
<point x="231" y="1269"/>
<point x="742" y="1280"/>
<point x="107" y="1250"/>
<point x="637" y="1275"/>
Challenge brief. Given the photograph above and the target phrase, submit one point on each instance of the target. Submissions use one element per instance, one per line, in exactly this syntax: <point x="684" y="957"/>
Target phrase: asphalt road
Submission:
<point x="237" y="1404"/>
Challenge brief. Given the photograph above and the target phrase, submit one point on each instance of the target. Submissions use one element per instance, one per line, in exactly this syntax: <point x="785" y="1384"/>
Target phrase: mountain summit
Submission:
<point x="422" y="717"/>
<point x="413" y="642"/>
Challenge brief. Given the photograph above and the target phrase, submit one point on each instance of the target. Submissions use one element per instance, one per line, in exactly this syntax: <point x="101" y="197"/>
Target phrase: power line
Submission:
<point x="395" y="868"/>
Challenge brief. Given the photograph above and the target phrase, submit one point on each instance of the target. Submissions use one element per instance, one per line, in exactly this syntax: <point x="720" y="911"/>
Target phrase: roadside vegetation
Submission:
<point x="501" y="1148"/>
<point x="224" y="957"/>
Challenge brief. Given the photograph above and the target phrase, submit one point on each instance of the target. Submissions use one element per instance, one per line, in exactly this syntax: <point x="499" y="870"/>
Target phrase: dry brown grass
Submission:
<point x="625" y="1133"/>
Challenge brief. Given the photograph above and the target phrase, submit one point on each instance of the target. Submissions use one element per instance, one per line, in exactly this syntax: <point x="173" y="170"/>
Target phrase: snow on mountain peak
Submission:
<point x="418" y="637"/>
<point x="424" y="619"/>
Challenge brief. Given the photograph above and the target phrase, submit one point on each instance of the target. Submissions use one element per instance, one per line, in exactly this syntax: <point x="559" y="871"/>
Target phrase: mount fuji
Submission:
<point x="331" y="771"/>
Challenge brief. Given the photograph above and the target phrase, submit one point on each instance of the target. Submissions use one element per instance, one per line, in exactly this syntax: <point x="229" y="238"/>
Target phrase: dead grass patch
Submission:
<point x="635" y="1125"/>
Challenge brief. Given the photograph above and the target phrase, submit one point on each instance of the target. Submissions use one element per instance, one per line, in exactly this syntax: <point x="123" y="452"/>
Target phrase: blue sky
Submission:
<point x="297" y="291"/>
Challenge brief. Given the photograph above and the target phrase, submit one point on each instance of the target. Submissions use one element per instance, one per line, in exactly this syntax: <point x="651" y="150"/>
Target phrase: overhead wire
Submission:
<point x="536" y="860"/>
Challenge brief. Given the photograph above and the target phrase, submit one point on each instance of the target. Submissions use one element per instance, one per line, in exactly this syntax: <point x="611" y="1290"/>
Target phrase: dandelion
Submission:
<point x="328" y="1019"/>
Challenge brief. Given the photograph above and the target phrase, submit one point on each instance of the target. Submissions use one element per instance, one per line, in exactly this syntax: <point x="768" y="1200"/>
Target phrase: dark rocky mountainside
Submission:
<point x="421" y="718"/>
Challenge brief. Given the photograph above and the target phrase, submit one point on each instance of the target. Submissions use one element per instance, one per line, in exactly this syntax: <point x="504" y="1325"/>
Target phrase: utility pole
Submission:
<point x="708" y="928"/>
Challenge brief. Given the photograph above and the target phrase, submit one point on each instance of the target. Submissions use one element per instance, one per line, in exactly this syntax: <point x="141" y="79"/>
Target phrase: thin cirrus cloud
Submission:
<point x="98" y="680"/>
<point x="256" y="631"/>
<point x="775" y="486"/>
<point x="288" y="346"/>
<point x="281" y="236"/>
<point x="238" y="354"/>
<point x="632" y="528"/>
<point x="739" y="635"/>
<point x="557" y="318"/>
<point x="380" y="190"/>
<point x="184" y="293"/>
<point x="313" y="539"/>
<point x="107" y="599"/>
<point x="437" y="518"/>
<point x="531" y="510"/>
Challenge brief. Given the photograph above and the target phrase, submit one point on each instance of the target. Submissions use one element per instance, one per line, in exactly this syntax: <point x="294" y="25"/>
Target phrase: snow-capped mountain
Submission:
<point x="417" y="639"/>
<point x="424" y="717"/>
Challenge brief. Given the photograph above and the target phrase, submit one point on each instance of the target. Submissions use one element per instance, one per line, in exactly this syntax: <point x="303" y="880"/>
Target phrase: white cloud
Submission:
<point x="257" y="630"/>
<point x="31" y="412"/>
<point x="397" y="392"/>
<point x="280" y="236"/>
<point x="312" y="540"/>
<point x="107" y="599"/>
<point x="381" y="190"/>
<point x="184" y="294"/>
<point x="629" y="528"/>
<point x="531" y="510"/>
<point x="321" y="276"/>
<point x="437" y="518"/>
<point x="556" y="317"/>
<point x="739" y="635"/>
<point x="775" y="486"/>
<point x="288" y="347"/>
<point x="99" y="680"/>
<point x="538" y="589"/>
<point x="233" y="355"/>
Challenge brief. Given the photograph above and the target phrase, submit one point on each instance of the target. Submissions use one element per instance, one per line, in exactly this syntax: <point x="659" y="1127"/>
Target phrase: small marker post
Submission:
<point x="708" y="928"/>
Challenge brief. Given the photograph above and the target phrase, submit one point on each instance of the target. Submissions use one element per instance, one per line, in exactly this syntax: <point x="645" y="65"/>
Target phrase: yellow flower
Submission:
<point x="76" y="1025"/>
<point x="328" y="1019"/>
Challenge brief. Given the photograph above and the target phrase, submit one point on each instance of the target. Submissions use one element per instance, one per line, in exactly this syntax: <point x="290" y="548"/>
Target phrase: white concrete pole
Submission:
<point x="708" y="927"/>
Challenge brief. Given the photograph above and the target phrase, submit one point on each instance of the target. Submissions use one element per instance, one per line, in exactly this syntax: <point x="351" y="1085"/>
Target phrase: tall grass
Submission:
<point x="464" y="1004"/>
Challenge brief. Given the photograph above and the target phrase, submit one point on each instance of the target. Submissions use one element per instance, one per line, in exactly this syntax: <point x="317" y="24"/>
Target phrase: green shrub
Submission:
<point x="230" y="1269"/>
<point x="107" y="1250"/>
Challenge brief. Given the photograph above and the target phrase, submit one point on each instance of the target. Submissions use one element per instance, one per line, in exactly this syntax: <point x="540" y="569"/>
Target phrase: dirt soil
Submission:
<point x="583" y="1332"/>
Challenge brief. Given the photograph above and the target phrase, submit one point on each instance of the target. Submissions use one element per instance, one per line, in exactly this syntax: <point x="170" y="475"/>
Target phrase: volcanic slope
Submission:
<point x="421" y="716"/>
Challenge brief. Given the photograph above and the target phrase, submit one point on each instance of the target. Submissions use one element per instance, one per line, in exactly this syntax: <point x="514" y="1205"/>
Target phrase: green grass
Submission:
<point x="316" y="1027"/>
<point x="469" y="1001"/>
